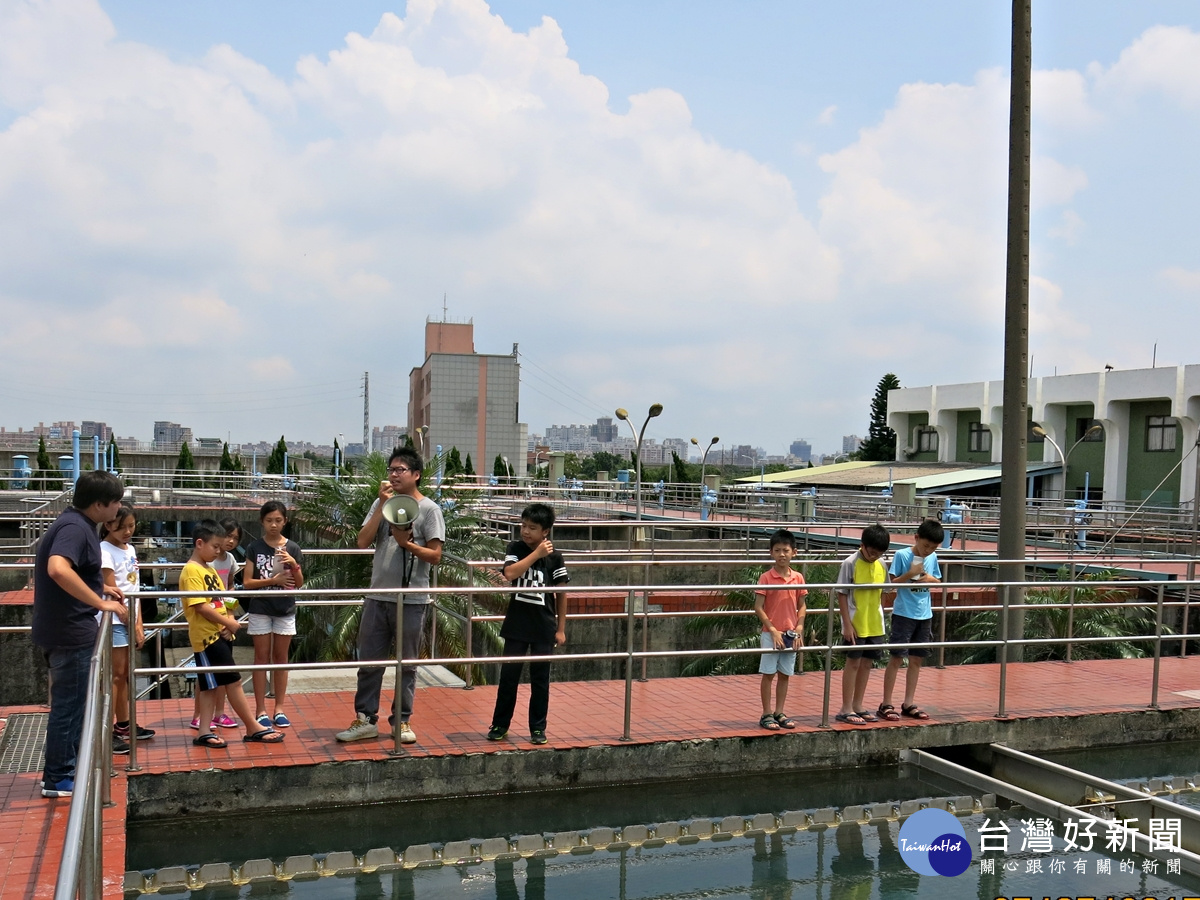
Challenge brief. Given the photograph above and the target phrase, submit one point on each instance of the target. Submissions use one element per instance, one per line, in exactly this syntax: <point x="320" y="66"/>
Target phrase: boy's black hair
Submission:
<point x="229" y="523"/>
<point x="272" y="506"/>
<point x="409" y="457"/>
<point x="876" y="537"/>
<point x="206" y="530"/>
<point x="783" y="536"/>
<point x="931" y="530"/>
<point x="540" y="514"/>
<point x="97" y="487"/>
<point x="122" y="511"/>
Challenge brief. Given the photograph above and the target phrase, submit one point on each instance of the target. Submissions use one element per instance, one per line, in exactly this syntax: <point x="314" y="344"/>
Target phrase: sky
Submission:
<point x="223" y="214"/>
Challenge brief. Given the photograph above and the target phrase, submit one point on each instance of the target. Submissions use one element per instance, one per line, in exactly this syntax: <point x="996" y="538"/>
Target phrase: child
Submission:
<point x="536" y="621"/>
<point x="862" y="619"/>
<point x="782" y="615"/>
<point x="119" y="567"/>
<point x="273" y="563"/>
<point x="227" y="567"/>
<point x="211" y="633"/>
<point x="912" y="616"/>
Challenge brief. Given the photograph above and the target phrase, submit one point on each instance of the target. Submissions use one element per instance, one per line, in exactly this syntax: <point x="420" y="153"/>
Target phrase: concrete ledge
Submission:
<point x="357" y="782"/>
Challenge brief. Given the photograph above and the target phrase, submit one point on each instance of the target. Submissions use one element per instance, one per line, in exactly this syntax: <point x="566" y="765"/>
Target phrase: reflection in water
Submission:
<point x="535" y="880"/>
<point x="769" y="869"/>
<point x="896" y="880"/>
<point x="853" y="872"/>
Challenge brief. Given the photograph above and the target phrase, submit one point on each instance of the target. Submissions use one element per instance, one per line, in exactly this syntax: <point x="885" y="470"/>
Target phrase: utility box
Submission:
<point x="558" y="466"/>
<point x="904" y="493"/>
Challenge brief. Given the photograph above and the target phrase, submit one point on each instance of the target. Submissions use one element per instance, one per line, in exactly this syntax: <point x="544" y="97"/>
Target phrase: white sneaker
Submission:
<point x="359" y="729"/>
<point x="407" y="735"/>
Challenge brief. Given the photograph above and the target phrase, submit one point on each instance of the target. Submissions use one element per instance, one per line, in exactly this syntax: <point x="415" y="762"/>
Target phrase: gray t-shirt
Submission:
<point x="387" y="566"/>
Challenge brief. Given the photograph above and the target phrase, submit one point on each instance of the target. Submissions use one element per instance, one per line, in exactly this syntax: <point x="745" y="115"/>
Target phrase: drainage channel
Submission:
<point x="529" y="846"/>
<point x="1067" y="794"/>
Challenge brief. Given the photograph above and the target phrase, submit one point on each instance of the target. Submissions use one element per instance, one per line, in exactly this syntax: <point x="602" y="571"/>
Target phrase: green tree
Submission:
<point x="278" y="454"/>
<point x="184" y="466"/>
<point x="226" y="464"/>
<point x="331" y="515"/>
<point x="880" y="444"/>
<point x="499" y="469"/>
<point x="115" y="452"/>
<point x="46" y="477"/>
<point x="679" y="471"/>
<point x="468" y="466"/>
<point x="454" y="465"/>
<point x="572" y="466"/>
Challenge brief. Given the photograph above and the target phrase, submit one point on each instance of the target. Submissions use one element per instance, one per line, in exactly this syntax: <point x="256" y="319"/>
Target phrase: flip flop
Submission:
<point x="866" y="716"/>
<point x="850" y="718"/>
<point x="783" y="721"/>
<point x="768" y="722"/>
<point x="888" y="713"/>
<point x="914" y="712"/>
<point x="209" y="740"/>
<point x="266" y="736"/>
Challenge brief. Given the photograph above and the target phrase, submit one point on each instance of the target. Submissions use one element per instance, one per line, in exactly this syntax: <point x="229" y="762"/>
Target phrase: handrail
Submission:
<point x="81" y="869"/>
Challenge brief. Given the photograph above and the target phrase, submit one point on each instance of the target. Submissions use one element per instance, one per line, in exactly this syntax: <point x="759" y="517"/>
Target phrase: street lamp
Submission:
<point x="1041" y="432"/>
<point x="703" y="462"/>
<point x="423" y="434"/>
<point x="654" y="411"/>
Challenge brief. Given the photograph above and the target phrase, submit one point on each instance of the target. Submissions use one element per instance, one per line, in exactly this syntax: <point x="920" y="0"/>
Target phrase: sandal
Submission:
<point x="768" y="722"/>
<point x="851" y="718"/>
<point x="866" y="716"/>
<point x="913" y="712"/>
<point x="209" y="740"/>
<point x="888" y="713"/>
<point x="783" y="721"/>
<point x="266" y="736"/>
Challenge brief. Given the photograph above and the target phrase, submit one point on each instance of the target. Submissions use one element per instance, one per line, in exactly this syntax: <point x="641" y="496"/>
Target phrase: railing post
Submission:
<point x="828" y="658"/>
<point x="106" y="726"/>
<point x="1002" y="713"/>
<point x="397" y="696"/>
<point x="433" y="583"/>
<point x="942" y="631"/>
<point x="470" y="673"/>
<point x="629" y="622"/>
<point x="132" y="765"/>
<point x="1158" y="614"/>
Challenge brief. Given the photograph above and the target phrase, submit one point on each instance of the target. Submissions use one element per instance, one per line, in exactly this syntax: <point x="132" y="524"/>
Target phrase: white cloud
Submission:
<point x="1164" y="58"/>
<point x="1181" y="278"/>
<point x="826" y="116"/>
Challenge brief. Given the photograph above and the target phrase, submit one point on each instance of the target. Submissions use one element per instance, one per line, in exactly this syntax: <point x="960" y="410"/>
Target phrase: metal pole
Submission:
<point x="828" y="658"/>
<point x="106" y="726"/>
<point x="398" y="690"/>
<point x="135" y="609"/>
<point x="1014" y="453"/>
<point x="942" y="631"/>
<point x="1191" y="569"/>
<point x="1001" y="713"/>
<point x="1158" y="613"/>
<point x="628" y="665"/>
<point x="470" y="673"/>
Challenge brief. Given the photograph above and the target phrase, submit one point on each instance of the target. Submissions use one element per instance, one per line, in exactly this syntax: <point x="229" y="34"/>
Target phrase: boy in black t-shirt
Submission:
<point x="536" y="621"/>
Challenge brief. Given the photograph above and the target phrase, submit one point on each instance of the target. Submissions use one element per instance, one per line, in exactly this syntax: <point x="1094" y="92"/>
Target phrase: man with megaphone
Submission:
<point x="408" y="530"/>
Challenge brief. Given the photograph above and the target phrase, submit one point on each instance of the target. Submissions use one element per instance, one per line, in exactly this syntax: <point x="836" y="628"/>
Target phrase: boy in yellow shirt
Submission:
<point x="211" y="631"/>
<point x="862" y="619"/>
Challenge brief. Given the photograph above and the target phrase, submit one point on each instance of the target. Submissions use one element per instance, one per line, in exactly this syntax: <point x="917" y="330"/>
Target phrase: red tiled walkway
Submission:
<point x="582" y="714"/>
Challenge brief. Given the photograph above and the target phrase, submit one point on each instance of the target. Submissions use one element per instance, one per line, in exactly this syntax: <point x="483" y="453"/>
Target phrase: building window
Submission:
<point x="927" y="439"/>
<point x="1160" y="434"/>
<point x="979" y="438"/>
<point x="1083" y="431"/>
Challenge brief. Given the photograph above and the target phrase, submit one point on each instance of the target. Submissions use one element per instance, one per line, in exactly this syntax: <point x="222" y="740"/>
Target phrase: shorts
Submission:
<point x="120" y="634"/>
<point x="862" y="649"/>
<point x="781" y="661"/>
<point x="260" y="624"/>
<point x="911" y="631"/>
<point x="218" y="653"/>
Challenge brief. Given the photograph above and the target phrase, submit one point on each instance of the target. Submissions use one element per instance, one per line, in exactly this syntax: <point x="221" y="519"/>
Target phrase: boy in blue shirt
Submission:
<point x="912" y="617"/>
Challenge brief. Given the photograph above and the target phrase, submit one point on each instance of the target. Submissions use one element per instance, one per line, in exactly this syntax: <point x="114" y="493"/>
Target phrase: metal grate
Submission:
<point x="21" y="749"/>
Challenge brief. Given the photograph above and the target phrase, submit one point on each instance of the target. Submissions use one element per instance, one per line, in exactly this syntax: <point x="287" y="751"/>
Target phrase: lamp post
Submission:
<point x="654" y="411"/>
<point x="703" y="462"/>
<point x="423" y="434"/>
<point x="1041" y="432"/>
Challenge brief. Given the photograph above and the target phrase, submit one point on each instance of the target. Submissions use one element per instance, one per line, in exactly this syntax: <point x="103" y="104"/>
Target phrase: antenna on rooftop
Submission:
<point x="366" y="410"/>
<point x="445" y="308"/>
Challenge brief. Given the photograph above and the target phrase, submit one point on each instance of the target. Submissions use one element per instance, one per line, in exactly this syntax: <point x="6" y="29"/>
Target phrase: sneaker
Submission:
<point x="196" y="723"/>
<point x="63" y="789"/>
<point x="264" y="720"/>
<point x="224" y="721"/>
<point x="407" y="735"/>
<point x="359" y="729"/>
<point x="496" y="733"/>
<point x="281" y="721"/>
<point x="143" y="734"/>
<point x="120" y="746"/>
<point x="537" y="737"/>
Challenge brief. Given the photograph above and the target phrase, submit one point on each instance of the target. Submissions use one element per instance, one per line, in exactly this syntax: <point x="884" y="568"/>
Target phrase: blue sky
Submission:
<point x="746" y="212"/>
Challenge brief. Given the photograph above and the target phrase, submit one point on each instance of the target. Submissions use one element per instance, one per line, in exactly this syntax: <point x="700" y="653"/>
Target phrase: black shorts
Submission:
<point x="218" y="653"/>
<point x="911" y="631"/>
<point x="862" y="649"/>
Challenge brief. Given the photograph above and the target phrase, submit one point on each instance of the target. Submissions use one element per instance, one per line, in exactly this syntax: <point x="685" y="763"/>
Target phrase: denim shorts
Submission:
<point x="781" y="661"/>
<point x="120" y="634"/>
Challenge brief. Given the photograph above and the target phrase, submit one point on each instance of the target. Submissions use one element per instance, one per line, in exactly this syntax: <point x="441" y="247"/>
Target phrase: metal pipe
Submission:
<point x="828" y="660"/>
<point x="398" y="687"/>
<point x="628" y="666"/>
<point x="1004" y="636"/>
<point x="942" y="630"/>
<point x="468" y="682"/>
<point x="1157" y="647"/>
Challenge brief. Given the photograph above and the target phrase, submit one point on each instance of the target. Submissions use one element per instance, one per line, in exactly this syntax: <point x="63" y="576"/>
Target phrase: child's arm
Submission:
<point x="560" y="603"/>
<point x="514" y="570"/>
<point x="848" y="631"/>
<point x="251" y="581"/>
<point x="210" y="612"/>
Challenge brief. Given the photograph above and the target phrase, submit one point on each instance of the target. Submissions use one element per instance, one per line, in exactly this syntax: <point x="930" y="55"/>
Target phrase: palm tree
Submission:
<point x="741" y="632"/>
<point x="331" y="515"/>
<point x="1114" y="622"/>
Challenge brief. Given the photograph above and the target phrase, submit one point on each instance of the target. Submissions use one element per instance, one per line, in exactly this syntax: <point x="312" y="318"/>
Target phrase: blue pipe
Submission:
<point x="75" y="456"/>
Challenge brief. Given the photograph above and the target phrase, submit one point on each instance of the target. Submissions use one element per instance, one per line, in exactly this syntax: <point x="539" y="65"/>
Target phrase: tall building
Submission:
<point x="386" y="439"/>
<point x="167" y="433"/>
<point x="460" y="398"/>
<point x="89" y="430"/>
<point x="605" y="430"/>
<point x="851" y="443"/>
<point x="802" y="450"/>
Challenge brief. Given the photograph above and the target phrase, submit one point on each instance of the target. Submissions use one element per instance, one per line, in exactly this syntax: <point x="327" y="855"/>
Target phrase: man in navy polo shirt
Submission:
<point x="68" y="591"/>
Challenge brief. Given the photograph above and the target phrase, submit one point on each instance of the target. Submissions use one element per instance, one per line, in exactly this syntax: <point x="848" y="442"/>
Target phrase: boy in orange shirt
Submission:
<point x="781" y="612"/>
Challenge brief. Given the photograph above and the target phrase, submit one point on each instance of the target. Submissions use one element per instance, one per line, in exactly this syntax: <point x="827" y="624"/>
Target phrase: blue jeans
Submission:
<point x="68" y="697"/>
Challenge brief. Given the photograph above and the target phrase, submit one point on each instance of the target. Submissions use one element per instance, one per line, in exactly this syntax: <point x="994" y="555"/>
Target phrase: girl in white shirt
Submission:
<point x="119" y="566"/>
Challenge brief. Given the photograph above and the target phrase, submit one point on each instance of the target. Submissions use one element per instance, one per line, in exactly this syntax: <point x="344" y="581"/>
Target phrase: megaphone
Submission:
<point x="400" y="510"/>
